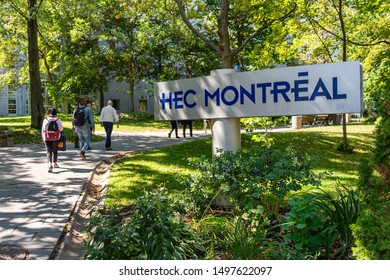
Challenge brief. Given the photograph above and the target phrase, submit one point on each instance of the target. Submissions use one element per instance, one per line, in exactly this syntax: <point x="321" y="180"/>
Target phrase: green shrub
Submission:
<point x="213" y="229"/>
<point x="303" y="226"/>
<point x="136" y="116"/>
<point x="247" y="240"/>
<point x="155" y="231"/>
<point x="372" y="229"/>
<point x="317" y="221"/>
<point x="266" y="123"/>
<point x="245" y="176"/>
<point x="341" y="211"/>
<point x="240" y="237"/>
<point x="382" y="140"/>
<point x="372" y="233"/>
<point x="107" y="237"/>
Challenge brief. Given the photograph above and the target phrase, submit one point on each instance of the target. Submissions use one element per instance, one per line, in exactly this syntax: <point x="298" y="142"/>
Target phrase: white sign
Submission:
<point x="303" y="90"/>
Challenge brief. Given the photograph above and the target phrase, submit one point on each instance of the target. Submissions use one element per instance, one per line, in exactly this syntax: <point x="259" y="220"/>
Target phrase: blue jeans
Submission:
<point x="108" y="126"/>
<point x="84" y="134"/>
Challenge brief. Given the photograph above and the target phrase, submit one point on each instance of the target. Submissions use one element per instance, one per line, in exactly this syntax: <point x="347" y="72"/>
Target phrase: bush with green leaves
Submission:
<point x="245" y="176"/>
<point x="341" y="211"/>
<point x="372" y="233"/>
<point x="320" y="223"/>
<point x="247" y="240"/>
<point x="213" y="229"/>
<point x="227" y="236"/>
<point x="154" y="231"/>
<point x="136" y="116"/>
<point x="372" y="229"/>
<point x="106" y="237"/>
<point x="303" y="226"/>
<point x="266" y="123"/>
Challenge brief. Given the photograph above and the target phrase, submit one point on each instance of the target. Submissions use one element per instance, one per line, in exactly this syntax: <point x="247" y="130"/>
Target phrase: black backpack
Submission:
<point x="51" y="131"/>
<point x="79" y="117"/>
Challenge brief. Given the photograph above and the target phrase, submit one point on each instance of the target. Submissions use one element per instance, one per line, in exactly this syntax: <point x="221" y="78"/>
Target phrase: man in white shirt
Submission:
<point x="108" y="116"/>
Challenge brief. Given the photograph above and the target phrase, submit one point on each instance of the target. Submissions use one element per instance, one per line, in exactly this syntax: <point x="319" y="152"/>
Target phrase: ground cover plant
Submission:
<point x="258" y="220"/>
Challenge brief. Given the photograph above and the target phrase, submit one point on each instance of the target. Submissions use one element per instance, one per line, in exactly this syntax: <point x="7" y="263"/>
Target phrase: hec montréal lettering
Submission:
<point x="279" y="91"/>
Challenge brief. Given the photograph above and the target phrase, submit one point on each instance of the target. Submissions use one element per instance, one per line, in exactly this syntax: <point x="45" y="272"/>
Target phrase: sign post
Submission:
<point x="226" y="132"/>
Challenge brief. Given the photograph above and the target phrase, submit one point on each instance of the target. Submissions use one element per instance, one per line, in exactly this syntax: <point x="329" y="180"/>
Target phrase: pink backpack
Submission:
<point x="51" y="131"/>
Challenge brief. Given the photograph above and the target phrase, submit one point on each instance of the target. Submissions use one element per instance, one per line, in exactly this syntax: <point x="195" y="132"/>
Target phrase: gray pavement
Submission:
<point x="36" y="205"/>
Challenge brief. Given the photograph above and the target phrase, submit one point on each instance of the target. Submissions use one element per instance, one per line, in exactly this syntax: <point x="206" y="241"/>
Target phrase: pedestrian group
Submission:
<point x="83" y="126"/>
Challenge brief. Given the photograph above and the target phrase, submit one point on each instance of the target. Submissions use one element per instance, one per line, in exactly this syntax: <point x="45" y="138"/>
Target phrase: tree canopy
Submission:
<point x="84" y="44"/>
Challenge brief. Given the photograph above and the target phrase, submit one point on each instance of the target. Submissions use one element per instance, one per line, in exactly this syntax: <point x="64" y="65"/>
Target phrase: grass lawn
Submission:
<point x="163" y="167"/>
<point x="130" y="176"/>
<point x="23" y="134"/>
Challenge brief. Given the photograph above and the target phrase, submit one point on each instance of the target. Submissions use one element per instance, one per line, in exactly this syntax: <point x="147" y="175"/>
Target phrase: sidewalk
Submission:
<point x="35" y="205"/>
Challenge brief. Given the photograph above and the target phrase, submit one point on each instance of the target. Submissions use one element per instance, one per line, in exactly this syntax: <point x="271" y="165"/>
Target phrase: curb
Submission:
<point x="70" y="244"/>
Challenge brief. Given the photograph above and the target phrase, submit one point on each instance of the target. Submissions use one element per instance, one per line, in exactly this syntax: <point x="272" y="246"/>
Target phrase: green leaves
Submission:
<point x="155" y="231"/>
<point x="303" y="225"/>
<point x="317" y="220"/>
<point x="342" y="211"/>
<point x="246" y="176"/>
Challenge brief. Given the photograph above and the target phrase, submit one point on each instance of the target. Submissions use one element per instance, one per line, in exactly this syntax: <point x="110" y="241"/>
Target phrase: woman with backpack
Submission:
<point x="51" y="133"/>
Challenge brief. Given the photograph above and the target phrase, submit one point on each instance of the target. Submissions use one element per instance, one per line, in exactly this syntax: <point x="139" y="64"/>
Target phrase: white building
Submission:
<point x="118" y="92"/>
<point x="14" y="102"/>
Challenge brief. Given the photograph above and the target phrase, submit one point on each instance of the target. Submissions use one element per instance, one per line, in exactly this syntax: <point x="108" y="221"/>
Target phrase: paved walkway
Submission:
<point x="36" y="205"/>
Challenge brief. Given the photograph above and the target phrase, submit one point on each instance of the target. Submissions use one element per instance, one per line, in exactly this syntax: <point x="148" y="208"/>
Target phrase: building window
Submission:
<point x="143" y="105"/>
<point x="12" y="107"/>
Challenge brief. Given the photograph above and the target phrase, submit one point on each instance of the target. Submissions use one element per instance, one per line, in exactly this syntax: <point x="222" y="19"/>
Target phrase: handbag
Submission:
<point x="62" y="143"/>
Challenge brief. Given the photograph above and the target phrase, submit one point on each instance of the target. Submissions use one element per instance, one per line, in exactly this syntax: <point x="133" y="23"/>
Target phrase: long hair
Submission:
<point x="51" y="111"/>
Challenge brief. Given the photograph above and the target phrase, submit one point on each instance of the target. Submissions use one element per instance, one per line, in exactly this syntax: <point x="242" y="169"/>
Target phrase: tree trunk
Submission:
<point x="223" y="32"/>
<point x="131" y="91"/>
<point x="37" y="109"/>
<point x="132" y="76"/>
<point x="344" y="36"/>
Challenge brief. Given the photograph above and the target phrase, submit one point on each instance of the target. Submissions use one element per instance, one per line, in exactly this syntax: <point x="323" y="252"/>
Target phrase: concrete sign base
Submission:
<point x="226" y="135"/>
<point x="226" y="132"/>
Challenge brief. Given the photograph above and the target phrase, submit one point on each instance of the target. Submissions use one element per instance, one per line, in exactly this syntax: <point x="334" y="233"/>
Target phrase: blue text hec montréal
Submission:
<point x="265" y="92"/>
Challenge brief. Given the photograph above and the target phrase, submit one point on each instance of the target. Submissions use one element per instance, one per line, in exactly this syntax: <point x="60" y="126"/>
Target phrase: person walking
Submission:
<point x="51" y="133"/>
<point x="76" y="137"/>
<point x="206" y="124"/>
<point x="108" y="116"/>
<point x="174" y="127"/>
<point x="88" y="103"/>
<point x="186" y="123"/>
<point x="84" y="124"/>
